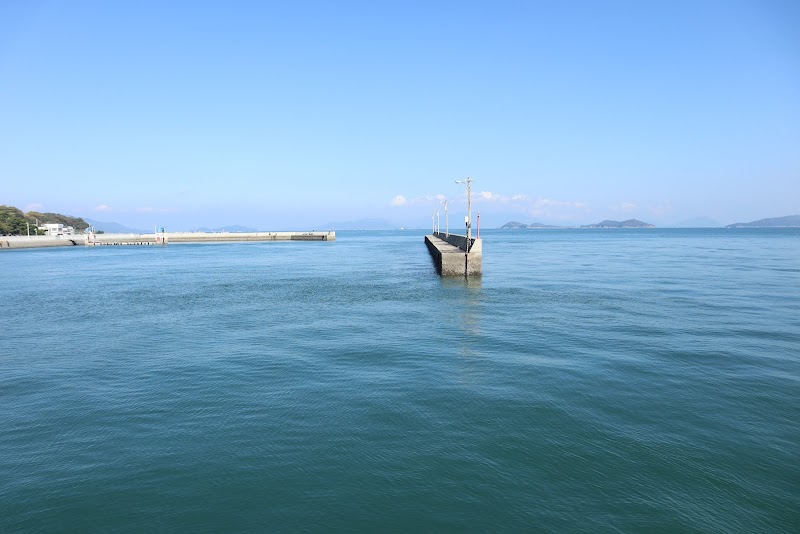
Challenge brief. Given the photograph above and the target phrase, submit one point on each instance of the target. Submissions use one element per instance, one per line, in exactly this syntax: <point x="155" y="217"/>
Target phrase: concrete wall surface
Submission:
<point x="39" y="241"/>
<point x="199" y="237"/>
<point x="460" y="241"/>
<point x="16" y="242"/>
<point x="450" y="260"/>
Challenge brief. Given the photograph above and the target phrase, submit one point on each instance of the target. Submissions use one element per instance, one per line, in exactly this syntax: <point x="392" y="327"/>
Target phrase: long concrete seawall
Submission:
<point x="20" y="242"/>
<point x="198" y="237"/>
<point x="450" y="256"/>
<point x="14" y="241"/>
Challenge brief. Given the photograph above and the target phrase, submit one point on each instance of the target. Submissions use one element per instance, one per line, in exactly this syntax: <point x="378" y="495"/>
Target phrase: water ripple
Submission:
<point x="588" y="381"/>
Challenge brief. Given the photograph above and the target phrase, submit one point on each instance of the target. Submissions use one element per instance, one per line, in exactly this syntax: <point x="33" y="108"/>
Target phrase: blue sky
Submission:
<point x="293" y="114"/>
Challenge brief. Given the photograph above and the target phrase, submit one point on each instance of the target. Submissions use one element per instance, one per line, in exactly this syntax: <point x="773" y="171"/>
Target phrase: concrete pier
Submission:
<point x="17" y="242"/>
<point x="450" y="256"/>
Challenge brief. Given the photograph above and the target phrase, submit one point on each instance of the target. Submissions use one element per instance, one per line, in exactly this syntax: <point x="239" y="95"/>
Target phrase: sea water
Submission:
<point x="593" y="380"/>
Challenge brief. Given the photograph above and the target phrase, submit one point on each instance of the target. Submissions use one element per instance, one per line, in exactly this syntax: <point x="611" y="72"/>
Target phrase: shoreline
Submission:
<point x="29" y="242"/>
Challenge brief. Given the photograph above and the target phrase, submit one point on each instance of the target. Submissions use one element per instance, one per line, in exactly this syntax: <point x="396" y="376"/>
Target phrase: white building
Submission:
<point x="57" y="229"/>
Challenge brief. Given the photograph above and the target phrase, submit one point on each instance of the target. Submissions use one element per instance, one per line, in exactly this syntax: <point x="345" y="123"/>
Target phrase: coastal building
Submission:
<point x="57" y="229"/>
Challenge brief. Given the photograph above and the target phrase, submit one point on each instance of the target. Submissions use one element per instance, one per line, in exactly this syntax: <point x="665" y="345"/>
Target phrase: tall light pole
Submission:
<point x="446" y="225"/>
<point x="468" y="221"/>
<point x="438" y="221"/>
<point x="446" y="221"/>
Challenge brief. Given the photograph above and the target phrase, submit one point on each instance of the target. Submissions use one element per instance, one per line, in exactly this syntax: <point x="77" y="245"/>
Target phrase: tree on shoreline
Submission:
<point x="14" y="222"/>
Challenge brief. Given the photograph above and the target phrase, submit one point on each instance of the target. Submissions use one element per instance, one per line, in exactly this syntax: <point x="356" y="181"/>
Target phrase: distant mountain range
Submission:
<point x="363" y="224"/>
<point x="790" y="221"/>
<point x="630" y="223"/>
<point x="117" y="228"/>
<point x="114" y="228"/>
<point x="231" y="228"/>
<point x="699" y="222"/>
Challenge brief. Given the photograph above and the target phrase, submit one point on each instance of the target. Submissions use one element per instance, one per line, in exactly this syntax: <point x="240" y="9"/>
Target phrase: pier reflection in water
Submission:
<point x="466" y="302"/>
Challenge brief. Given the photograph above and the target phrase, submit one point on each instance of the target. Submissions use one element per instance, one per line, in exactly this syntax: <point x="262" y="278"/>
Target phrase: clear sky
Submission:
<point x="292" y="114"/>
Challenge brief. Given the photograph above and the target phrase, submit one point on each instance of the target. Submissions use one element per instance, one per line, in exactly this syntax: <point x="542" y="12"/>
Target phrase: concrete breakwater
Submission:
<point x="19" y="242"/>
<point x="199" y="237"/>
<point x="15" y="241"/>
<point x="453" y="257"/>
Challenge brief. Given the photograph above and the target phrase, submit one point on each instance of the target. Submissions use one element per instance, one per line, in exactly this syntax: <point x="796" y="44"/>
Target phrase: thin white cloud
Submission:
<point x="399" y="200"/>
<point x="426" y="200"/>
<point x="525" y="201"/>
<point x="662" y="208"/>
<point x="491" y="196"/>
<point x="551" y="203"/>
<point x="35" y="206"/>
<point x="558" y="209"/>
<point x="518" y="202"/>
<point x="102" y="207"/>
<point x="624" y="207"/>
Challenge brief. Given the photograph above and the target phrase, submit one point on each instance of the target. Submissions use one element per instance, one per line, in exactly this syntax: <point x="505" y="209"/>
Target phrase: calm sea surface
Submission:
<point x="596" y="380"/>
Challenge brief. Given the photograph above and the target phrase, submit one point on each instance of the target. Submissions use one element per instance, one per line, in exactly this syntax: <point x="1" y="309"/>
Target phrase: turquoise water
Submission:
<point x="628" y="380"/>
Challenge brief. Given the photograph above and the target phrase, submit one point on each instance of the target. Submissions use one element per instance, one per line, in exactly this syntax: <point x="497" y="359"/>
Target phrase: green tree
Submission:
<point x="55" y="218"/>
<point x="12" y="221"/>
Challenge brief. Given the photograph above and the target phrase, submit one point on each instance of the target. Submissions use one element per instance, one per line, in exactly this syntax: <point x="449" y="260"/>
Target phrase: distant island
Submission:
<point x="630" y="223"/>
<point x="790" y="221"/>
